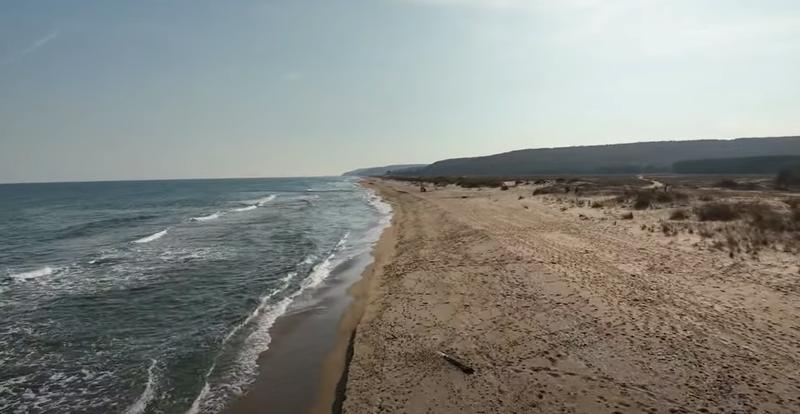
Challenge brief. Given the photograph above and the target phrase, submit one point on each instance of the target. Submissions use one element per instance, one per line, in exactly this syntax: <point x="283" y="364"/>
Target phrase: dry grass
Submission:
<point x="722" y="214"/>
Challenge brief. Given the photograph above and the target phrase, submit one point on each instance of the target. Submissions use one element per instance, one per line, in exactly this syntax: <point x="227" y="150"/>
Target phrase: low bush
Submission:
<point x="788" y="176"/>
<point x="716" y="212"/>
<point x="727" y="184"/>
<point x="679" y="214"/>
<point x="642" y="200"/>
<point x="551" y="189"/>
<point x="670" y="196"/>
<point x="764" y="217"/>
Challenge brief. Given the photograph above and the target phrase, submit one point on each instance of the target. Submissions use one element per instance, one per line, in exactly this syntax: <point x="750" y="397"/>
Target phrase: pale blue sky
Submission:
<point x="195" y="88"/>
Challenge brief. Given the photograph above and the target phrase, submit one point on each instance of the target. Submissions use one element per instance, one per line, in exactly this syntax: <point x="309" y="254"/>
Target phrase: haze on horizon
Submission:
<point x="95" y="90"/>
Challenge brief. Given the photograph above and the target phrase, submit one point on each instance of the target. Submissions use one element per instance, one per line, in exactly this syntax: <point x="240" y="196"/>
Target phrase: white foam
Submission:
<point x="377" y="202"/>
<point x="248" y="208"/>
<point x="195" y="408"/>
<point x="254" y="204"/>
<point x="203" y="397"/>
<point x="147" y="395"/>
<point x="260" y="202"/>
<point x="264" y="316"/>
<point x="151" y="237"/>
<point x="47" y="270"/>
<point x="208" y="217"/>
<point x="323" y="269"/>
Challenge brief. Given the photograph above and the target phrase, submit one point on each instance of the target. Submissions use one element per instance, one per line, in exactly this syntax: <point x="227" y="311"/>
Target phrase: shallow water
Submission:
<point x="159" y="296"/>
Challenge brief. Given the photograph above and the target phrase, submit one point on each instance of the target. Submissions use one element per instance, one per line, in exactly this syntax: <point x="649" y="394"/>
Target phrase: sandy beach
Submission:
<point x="563" y="310"/>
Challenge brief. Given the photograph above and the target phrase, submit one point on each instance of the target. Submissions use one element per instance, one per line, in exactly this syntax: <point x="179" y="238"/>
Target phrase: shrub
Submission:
<point x="763" y="217"/>
<point x="548" y="190"/>
<point x="670" y="196"/>
<point x="679" y="214"/>
<point x="727" y="184"/>
<point x="788" y="176"/>
<point x="716" y="212"/>
<point x="793" y="203"/>
<point x="642" y="200"/>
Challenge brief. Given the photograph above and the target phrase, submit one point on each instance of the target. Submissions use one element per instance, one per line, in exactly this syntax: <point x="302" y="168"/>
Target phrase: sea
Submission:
<point x="158" y="296"/>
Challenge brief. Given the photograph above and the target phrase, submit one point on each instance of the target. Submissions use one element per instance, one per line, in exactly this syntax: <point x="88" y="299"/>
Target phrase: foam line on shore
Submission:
<point x="257" y="342"/>
<point x="147" y="395"/>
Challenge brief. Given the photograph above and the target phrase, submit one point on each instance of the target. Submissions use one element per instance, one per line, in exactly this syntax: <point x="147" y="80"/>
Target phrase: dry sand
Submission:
<point x="559" y="313"/>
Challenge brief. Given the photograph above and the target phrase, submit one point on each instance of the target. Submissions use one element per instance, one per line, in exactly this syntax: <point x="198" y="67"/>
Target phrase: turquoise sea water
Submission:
<point x="158" y="296"/>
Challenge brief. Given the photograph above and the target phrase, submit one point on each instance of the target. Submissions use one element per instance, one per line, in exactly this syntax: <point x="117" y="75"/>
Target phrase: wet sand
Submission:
<point x="561" y="312"/>
<point x="303" y="359"/>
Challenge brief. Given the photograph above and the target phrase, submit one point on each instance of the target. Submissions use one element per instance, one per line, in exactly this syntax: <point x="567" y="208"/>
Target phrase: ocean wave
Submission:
<point x="213" y="397"/>
<point x="248" y="208"/>
<point x="105" y="257"/>
<point x="147" y="395"/>
<point x="33" y="274"/>
<point x="323" y="269"/>
<point x="377" y="202"/>
<point x="151" y="237"/>
<point x="260" y="202"/>
<point x="90" y="228"/>
<point x="187" y="254"/>
<point x="206" y="397"/>
<point x="208" y="217"/>
<point x="254" y="204"/>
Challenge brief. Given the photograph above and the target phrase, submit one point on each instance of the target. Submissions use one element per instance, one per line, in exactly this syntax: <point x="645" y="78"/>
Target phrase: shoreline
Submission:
<point x="335" y="367"/>
<point x="302" y="369"/>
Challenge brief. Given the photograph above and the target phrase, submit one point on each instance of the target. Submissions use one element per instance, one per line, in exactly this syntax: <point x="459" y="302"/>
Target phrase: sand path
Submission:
<point x="560" y="314"/>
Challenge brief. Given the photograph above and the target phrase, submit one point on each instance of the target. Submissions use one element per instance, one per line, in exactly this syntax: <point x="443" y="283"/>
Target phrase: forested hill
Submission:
<point x="609" y="159"/>
<point x="375" y="171"/>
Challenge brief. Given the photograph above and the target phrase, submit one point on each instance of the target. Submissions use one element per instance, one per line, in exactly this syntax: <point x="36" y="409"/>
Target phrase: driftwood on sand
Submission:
<point x="458" y="364"/>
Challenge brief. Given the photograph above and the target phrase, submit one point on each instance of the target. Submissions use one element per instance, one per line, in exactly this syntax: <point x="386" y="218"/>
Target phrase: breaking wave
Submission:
<point x="205" y="397"/>
<point x="248" y="208"/>
<point x="214" y="397"/>
<point x="33" y="274"/>
<point x="151" y="237"/>
<point x="208" y="217"/>
<point x="140" y="404"/>
<point x="260" y="202"/>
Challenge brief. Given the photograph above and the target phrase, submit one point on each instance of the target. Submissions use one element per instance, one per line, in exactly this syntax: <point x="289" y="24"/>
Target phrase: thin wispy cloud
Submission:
<point x="41" y="42"/>
<point x="33" y="47"/>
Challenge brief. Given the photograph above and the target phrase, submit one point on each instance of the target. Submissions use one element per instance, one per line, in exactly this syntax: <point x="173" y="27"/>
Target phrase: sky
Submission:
<point x="148" y="89"/>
